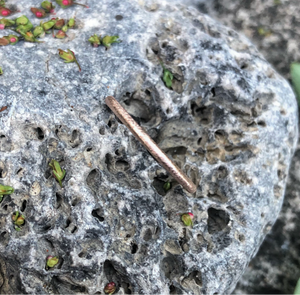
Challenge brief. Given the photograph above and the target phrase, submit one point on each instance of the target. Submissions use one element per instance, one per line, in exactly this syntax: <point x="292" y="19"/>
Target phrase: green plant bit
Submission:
<point x="1" y="73"/>
<point x="168" y="78"/>
<point x="68" y="3"/>
<point x="18" y="220"/>
<point x="51" y="261"/>
<point x="110" y="288"/>
<point x="65" y="28"/>
<point x="58" y="173"/>
<point x="5" y="189"/>
<point x="39" y="13"/>
<point x="22" y="20"/>
<point x="297" y="289"/>
<point x="61" y="35"/>
<point x="48" y="25"/>
<point x="29" y="37"/>
<point x="295" y="74"/>
<point x="71" y="22"/>
<point x="167" y="186"/>
<point x="23" y="29"/>
<point x="39" y="32"/>
<point x="12" y="39"/>
<point x="186" y="218"/>
<point x="95" y="40"/>
<point x="68" y="56"/>
<point x="59" y="23"/>
<point x="167" y="75"/>
<point x="48" y="6"/>
<point x="108" y="40"/>
<point x="7" y="22"/>
<point x="263" y="32"/>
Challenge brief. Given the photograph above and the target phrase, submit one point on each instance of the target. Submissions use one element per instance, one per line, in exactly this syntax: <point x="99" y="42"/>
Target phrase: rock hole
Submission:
<point x="5" y="144"/>
<point x="221" y="172"/>
<point x="89" y="149"/>
<point x="252" y="124"/>
<point x="118" y="17"/>
<point x="45" y="228"/>
<point x="20" y="172"/>
<point x="117" y="152"/>
<point x="220" y="135"/>
<point x="23" y="206"/>
<point x="112" y="124"/>
<point x="3" y="236"/>
<point x="134" y="248"/>
<point x="217" y="220"/>
<point x="147" y="235"/>
<point x="262" y="123"/>
<point x="204" y="114"/>
<point x="171" y="266"/>
<point x="74" y="229"/>
<point x="60" y="263"/>
<point x="164" y="44"/>
<point x="75" y="141"/>
<point x="138" y="109"/>
<point x="195" y="277"/>
<point x="158" y="185"/>
<point x="58" y="200"/>
<point x="82" y="254"/>
<point x="98" y="214"/>
<point x="75" y="202"/>
<point x="110" y="272"/>
<point x="126" y="287"/>
<point x="5" y="208"/>
<point x="39" y="133"/>
<point x="283" y="112"/>
<point x="102" y="130"/>
<point x="244" y="66"/>
<point x="213" y="92"/>
<point x="93" y="180"/>
<point x="69" y="137"/>
<point x="241" y="238"/>
<point x="68" y="222"/>
<point x="122" y="165"/>
<point x="3" y="170"/>
<point x="174" y="290"/>
<point x="49" y="244"/>
<point x="199" y="141"/>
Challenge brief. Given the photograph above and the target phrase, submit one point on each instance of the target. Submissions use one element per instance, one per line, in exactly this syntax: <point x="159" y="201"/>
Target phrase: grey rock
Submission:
<point x="275" y="269"/>
<point x="272" y="25"/>
<point x="230" y="122"/>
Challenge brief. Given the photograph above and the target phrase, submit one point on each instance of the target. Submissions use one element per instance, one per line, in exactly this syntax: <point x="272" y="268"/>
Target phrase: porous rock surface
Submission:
<point x="230" y="122"/>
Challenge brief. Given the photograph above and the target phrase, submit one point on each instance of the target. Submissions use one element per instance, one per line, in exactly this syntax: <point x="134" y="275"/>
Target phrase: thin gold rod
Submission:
<point x="150" y="145"/>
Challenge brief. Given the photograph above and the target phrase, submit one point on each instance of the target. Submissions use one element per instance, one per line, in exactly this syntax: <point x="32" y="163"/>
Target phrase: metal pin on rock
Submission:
<point x="150" y="145"/>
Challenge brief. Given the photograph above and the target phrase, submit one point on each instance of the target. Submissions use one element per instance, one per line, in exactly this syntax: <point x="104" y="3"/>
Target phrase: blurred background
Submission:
<point x="274" y="27"/>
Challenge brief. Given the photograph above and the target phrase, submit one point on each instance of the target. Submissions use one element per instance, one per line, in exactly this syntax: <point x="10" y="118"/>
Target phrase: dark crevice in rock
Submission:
<point x="98" y="213"/>
<point x="217" y="220"/>
<point x="94" y="180"/>
<point x="23" y="206"/>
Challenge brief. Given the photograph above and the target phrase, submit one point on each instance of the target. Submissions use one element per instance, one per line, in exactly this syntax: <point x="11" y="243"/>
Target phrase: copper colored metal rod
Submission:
<point x="150" y="145"/>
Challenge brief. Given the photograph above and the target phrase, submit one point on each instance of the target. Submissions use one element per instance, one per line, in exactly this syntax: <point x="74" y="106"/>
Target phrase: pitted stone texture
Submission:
<point x="230" y="123"/>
